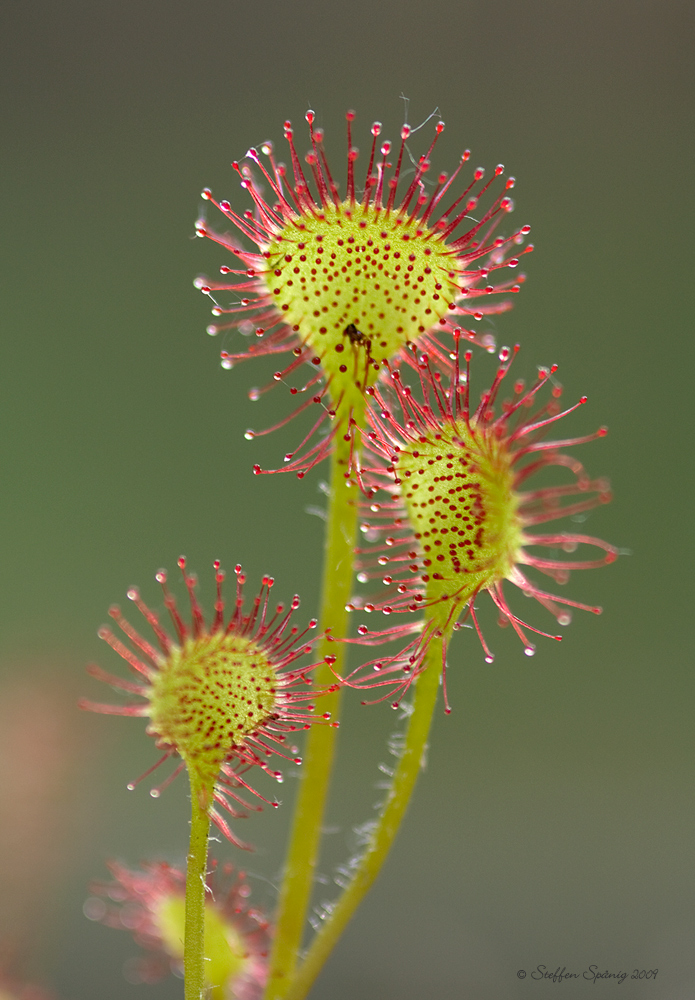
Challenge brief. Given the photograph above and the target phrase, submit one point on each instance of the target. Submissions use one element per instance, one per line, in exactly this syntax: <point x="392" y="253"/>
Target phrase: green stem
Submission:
<point x="196" y="872"/>
<point x="303" y="850"/>
<point x="426" y="689"/>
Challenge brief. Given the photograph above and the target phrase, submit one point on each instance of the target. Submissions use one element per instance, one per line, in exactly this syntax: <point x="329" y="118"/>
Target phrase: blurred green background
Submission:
<point x="554" y="824"/>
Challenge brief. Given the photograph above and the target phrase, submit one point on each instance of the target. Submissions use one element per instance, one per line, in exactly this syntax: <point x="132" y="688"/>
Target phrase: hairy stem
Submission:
<point x="196" y="871"/>
<point x="303" y="850"/>
<point x="384" y="834"/>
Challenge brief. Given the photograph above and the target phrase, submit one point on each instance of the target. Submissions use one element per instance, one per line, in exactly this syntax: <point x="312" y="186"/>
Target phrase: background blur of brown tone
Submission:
<point x="554" y="823"/>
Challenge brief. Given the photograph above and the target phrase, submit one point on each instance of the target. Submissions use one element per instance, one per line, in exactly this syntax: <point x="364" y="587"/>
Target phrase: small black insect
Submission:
<point x="356" y="336"/>
<point x="359" y="339"/>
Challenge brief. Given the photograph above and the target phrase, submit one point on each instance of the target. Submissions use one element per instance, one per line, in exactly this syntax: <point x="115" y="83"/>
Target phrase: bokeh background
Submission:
<point x="554" y="823"/>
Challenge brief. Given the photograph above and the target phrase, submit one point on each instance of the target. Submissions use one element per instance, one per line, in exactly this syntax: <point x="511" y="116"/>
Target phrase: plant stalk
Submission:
<point x="196" y="872"/>
<point x="426" y="688"/>
<point x="302" y="855"/>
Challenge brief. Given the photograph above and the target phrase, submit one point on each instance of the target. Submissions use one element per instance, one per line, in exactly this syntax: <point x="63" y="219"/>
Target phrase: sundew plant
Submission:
<point x="371" y="283"/>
